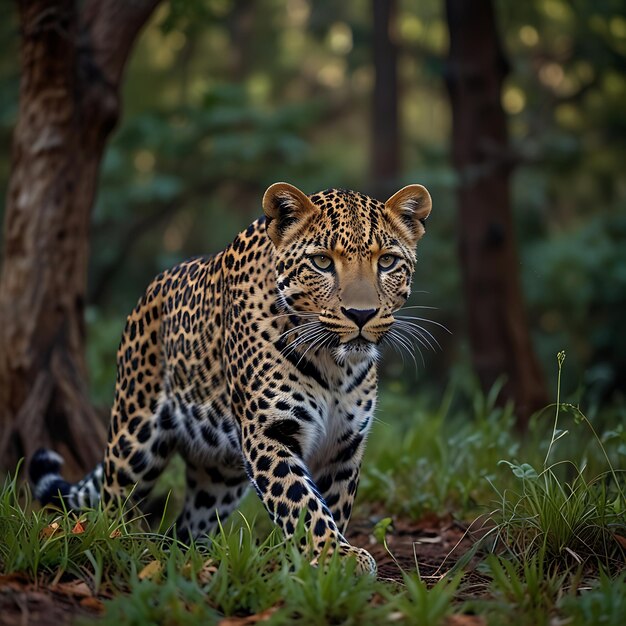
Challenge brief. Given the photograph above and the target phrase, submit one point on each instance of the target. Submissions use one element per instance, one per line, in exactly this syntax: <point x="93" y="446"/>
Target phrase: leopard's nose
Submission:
<point x="359" y="316"/>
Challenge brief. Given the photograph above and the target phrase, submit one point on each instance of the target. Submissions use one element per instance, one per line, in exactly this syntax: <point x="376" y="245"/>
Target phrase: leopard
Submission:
<point x="259" y="367"/>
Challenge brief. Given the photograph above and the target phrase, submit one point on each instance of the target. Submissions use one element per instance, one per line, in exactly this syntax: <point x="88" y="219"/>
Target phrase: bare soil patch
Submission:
<point x="23" y="602"/>
<point x="430" y="546"/>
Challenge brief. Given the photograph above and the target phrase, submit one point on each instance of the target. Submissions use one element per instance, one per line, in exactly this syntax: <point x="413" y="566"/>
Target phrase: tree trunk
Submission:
<point x="72" y="62"/>
<point x="498" y="330"/>
<point x="241" y="24"/>
<point x="385" y="142"/>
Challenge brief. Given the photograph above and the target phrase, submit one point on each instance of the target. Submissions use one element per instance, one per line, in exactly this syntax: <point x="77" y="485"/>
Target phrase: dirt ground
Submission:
<point x="24" y="603"/>
<point x="431" y="546"/>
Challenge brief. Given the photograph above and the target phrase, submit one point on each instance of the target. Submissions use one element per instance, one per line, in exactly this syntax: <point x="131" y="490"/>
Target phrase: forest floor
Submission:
<point x="431" y="544"/>
<point x="469" y="524"/>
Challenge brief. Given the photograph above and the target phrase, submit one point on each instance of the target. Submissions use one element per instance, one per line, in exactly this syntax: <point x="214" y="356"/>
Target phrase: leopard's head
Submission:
<point x="344" y="261"/>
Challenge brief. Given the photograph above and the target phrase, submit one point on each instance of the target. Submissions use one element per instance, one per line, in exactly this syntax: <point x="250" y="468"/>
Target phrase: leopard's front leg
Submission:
<point x="272" y="449"/>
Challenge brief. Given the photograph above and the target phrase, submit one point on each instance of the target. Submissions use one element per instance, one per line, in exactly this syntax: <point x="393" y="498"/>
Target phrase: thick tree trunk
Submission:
<point x="498" y="330"/>
<point x="72" y="63"/>
<point x="385" y="142"/>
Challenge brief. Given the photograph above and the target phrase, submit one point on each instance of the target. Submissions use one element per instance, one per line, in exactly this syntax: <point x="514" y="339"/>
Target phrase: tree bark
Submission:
<point x="498" y="329"/>
<point x="72" y="63"/>
<point x="385" y="143"/>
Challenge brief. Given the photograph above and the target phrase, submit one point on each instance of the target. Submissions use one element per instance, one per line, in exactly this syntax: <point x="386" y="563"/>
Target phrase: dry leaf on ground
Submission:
<point x="94" y="604"/>
<point x="207" y="571"/>
<point x="50" y="530"/>
<point x="79" y="527"/>
<point x="76" y="588"/>
<point x="151" y="570"/>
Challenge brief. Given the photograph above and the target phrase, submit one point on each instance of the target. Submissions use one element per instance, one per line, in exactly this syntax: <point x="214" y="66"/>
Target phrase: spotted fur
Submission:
<point x="259" y="366"/>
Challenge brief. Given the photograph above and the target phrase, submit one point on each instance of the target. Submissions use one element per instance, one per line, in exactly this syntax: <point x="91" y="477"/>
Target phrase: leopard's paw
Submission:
<point x="365" y="562"/>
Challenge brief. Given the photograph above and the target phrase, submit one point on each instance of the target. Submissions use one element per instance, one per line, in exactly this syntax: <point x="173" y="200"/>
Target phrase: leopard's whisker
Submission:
<point x="303" y="354"/>
<point x="396" y="346"/>
<point x="423" y="332"/>
<point x="306" y="329"/>
<point x="407" y="345"/>
<point x="412" y="347"/>
<point x="424" y="319"/>
<point x="416" y="332"/>
<point x="387" y="341"/>
<point x="416" y="337"/>
<point x="296" y="328"/>
<point x="291" y="348"/>
<point x="305" y="314"/>
<point x="418" y="306"/>
<point x="310" y="335"/>
<point x="419" y="350"/>
<point x="421" y="340"/>
<point x="313" y="343"/>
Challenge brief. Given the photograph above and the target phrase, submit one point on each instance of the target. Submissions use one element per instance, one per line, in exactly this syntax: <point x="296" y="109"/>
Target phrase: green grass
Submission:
<point x="553" y="504"/>
<point x="50" y="544"/>
<point x="565" y="514"/>
<point x="421" y="459"/>
<point x="602" y="602"/>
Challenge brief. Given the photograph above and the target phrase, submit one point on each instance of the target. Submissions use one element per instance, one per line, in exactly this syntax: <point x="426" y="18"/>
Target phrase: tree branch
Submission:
<point x="113" y="26"/>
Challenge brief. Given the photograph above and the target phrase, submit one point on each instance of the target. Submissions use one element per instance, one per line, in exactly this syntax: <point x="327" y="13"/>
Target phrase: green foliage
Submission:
<point x="571" y="521"/>
<point x="525" y="593"/>
<point x="553" y="527"/>
<point x="241" y="582"/>
<point x="95" y="546"/>
<point x="421" y="459"/>
<point x="603" y="603"/>
<point x="564" y="521"/>
<point x="532" y="594"/>
<point x="575" y="282"/>
<point x="320" y="595"/>
<point x="174" y="601"/>
<point x="235" y="573"/>
<point x="429" y="606"/>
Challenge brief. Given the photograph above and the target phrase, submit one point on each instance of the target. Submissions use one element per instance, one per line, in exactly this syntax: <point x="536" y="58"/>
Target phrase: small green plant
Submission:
<point x="331" y="594"/>
<point x="56" y="542"/>
<point x="526" y="590"/>
<point x="242" y="581"/>
<point x="429" y="606"/>
<point x="424" y="459"/>
<point x="568" y="521"/>
<point x="171" y="599"/>
<point x="603" y="602"/>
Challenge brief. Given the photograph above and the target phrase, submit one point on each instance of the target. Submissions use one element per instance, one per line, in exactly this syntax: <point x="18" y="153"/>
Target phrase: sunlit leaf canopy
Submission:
<point x="222" y="98"/>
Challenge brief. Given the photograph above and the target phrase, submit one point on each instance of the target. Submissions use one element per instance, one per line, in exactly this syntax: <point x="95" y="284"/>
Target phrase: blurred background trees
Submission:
<point x="222" y="98"/>
<point x="497" y="327"/>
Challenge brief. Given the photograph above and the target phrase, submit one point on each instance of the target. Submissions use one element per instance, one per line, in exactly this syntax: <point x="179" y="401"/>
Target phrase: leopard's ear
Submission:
<point x="284" y="206"/>
<point x="408" y="209"/>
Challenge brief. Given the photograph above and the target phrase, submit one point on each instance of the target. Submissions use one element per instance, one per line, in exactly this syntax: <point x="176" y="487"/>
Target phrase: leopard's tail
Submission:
<point x="49" y="487"/>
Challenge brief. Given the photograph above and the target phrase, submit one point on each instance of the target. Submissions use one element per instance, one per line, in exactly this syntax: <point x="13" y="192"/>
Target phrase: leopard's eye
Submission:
<point x="387" y="261"/>
<point x="322" y="261"/>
